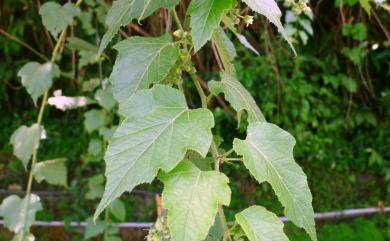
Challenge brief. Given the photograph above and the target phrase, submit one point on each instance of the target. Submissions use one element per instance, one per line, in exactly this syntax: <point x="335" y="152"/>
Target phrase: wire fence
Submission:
<point x="332" y="215"/>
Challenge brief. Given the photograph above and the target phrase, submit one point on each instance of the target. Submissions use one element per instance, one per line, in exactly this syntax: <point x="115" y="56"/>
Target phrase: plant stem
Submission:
<point x="105" y="237"/>
<point x="177" y="20"/>
<point x="39" y="122"/>
<point x="214" y="153"/>
<point x="24" y="44"/>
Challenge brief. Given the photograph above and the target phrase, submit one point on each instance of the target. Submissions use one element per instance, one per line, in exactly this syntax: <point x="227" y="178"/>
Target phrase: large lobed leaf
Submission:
<point x="268" y="155"/>
<point x="237" y="95"/>
<point x="37" y="78"/>
<point x="24" y="141"/>
<point x="141" y="62"/>
<point x="206" y="16"/>
<point x="261" y="225"/>
<point x="13" y="210"/>
<point x="270" y="10"/>
<point x="156" y="134"/>
<point x="191" y="197"/>
<point x="123" y="12"/>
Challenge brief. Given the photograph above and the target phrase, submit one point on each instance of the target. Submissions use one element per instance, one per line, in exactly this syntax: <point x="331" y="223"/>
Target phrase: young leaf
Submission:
<point x="93" y="228"/>
<point x="158" y="130"/>
<point x="38" y="78"/>
<point x="53" y="172"/>
<point x="123" y="12"/>
<point x="206" y="16"/>
<point x="216" y="231"/>
<point x="24" y="141"/>
<point x="246" y="43"/>
<point x="141" y="62"/>
<point x="366" y="6"/>
<point x="95" y="187"/>
<point x="56" y="17"/>
<point x="261" y="225"/>
<point x="191" y="197"/>
<point x="270" y="10"/>
<point x="94" y="119"/>
<point x="118" y="210"/>
<point x="268" y="155"/>
<point x="225" y="48"/>
<point x="12" y="209"/>
<point x="105" y="98"/>
<point x="237" y="95"/>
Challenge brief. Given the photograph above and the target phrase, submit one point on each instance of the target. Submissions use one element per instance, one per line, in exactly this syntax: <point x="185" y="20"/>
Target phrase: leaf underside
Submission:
<point x="268" y="155"/>
<point x="141" y="62"/>
<point x="191" y="197"/>
<point x="261" y="225"/>
<point x="156" y="134"/>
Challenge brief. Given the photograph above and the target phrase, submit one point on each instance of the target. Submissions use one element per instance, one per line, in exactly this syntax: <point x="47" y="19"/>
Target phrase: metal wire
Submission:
<point x="333" y="215"/>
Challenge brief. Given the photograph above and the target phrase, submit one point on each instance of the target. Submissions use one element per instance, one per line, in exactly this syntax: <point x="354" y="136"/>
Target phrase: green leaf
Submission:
<point x="237" y="95"/>
<point x="216" y="231"/>
<point x="261" y="225"/>
<point x="268" y="155"/>
<point x="94" y="119"/>
<point x="23" y="236"/>
<point x="13" y="210"/>
<point x="37" y="78"/>
<point x="105" y="98"/>
<point x="191" y="197"/>
<point x="141" y="62"/>
<point x="95" y="186"/>
<point x="158" y="130"/>
<point x="366" y="6"/>
<point x="225" y="48"/>
<point x="95" y="147"/>
<point x="270" y="10"/>
<point x="93" y="229"/>
<point x="206" y="16"/>
<point x="24" y="141"/>
<point x="56" y="17"/>
<point x="118" y="210"/>
<point x="123" y="12"/>
<point x="52" y="171"/>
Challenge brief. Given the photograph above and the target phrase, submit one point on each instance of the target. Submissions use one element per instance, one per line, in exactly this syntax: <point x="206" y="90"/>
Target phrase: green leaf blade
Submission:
<point x="237" y="95"/>
<point x="191" y="197"/>
<point x="268" y="155"/>
<point x="123" y="12"/>
<point x="141" y="62"/>
<point x="12" y="209"/>
<point x="56" y="17"/>
<point x="261" y="225"/>
<point x="52" y="171"/>
<point x="155" y="135"/>
<point x="38" y="78"/>
<point x="24" y="141"/>
<point x="270" y="10"/>
<point x="206" y="15"/>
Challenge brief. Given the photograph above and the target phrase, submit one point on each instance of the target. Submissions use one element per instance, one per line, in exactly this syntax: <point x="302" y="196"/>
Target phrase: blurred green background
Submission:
<point x="334" y="97"/>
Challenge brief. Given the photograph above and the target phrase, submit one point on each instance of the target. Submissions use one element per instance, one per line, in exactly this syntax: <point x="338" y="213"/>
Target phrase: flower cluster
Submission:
<point x="298" y="6"/>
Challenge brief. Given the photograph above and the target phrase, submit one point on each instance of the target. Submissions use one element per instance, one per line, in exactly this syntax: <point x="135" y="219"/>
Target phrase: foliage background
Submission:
<point x="334" y="97"/>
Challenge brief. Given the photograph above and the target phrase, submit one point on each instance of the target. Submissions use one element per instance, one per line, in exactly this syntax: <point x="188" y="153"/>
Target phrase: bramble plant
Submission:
<point x="159" y="136"/>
